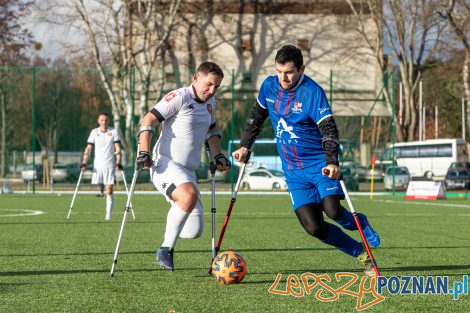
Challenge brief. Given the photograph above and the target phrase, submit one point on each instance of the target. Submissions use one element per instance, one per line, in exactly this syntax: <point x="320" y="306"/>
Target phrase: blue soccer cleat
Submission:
<point x="165" y="258"/>
<point x="371" y="235"/>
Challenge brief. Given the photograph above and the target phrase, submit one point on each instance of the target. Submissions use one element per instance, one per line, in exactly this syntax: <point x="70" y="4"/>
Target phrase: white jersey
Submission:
<point x="104" y="146"/>
<point x="185" y="126"/>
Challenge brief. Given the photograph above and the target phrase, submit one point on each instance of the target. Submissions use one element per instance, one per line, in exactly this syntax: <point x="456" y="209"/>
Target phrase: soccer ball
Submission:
<point x="228" y="267"/>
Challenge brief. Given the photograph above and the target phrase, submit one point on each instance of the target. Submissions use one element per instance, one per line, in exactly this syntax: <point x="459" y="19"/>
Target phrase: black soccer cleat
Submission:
<point x="165" y="258"/>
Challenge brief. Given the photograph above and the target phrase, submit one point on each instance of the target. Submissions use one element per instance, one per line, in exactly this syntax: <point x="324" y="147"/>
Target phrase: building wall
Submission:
<point x="244" y="38"/>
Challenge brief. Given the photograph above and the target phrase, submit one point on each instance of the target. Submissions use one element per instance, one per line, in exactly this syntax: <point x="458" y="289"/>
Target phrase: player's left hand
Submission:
<point x="332" y="171"/>
<point x="119" y="166"/>
<point x="223" y="164"/>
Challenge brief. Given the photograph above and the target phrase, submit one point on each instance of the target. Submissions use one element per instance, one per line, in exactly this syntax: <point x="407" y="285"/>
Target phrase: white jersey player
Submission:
<point x="107" y="145"/>
<point x="188" y="121"/>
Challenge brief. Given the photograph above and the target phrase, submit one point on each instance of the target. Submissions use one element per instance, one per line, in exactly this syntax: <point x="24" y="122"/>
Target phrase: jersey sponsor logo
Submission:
<point x="323" y="110"/>
<point x="209" y="108"/>
<point x="170" y="96"/>
<point x="297" y="108"/>
<point x="284" y="131"/>
<point x="270" y="100"/>
<point x="164" y="185"/>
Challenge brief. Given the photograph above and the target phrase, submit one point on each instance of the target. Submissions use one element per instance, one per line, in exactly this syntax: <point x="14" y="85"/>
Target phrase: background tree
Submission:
<point x="410" y="30"/>
<point x="457" y="13"/>
<point x="14" y="39"/>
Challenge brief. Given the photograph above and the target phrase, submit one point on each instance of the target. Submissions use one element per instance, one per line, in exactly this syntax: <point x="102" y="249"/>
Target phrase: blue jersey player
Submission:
<point x="308" y="144"/>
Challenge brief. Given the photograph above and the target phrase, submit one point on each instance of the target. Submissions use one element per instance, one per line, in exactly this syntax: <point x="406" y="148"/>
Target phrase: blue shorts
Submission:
<point x="309" y="185"/>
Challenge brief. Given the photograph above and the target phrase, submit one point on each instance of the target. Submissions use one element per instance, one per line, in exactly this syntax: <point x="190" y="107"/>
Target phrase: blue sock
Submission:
<point x="337" y="238"/>
<point x="347" y="220"/>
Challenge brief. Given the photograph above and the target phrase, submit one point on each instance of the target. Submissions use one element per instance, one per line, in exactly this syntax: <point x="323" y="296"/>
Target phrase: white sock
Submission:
<point x="109" y="205"/>
<point x="174" y="224"/>
<point x="194" y="225"/>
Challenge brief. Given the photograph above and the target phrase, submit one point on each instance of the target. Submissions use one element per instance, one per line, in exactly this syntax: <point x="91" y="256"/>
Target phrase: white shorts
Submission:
<point x="103" y="175"/>
<point x="166" y="175"/>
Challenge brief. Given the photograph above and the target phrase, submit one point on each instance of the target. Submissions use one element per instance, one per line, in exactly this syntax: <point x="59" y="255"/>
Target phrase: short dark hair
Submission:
<point x="210" y="67"/>
<point x="103" y="113"/>
<point x="289" y="53"/>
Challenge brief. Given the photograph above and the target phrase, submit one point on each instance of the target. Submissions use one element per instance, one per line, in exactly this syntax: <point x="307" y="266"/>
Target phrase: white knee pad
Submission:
<point x="194" y="225"/>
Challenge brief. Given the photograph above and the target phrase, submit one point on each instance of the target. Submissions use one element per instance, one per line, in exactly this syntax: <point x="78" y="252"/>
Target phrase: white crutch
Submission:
<point x="75" y="194"/>
<point x="124" y="219"/>
<point x="127" y="192"/>
<point x="212" y="168"/>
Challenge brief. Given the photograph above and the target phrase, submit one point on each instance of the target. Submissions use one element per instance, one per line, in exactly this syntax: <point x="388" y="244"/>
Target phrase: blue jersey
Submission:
<point x="295" y="115"/>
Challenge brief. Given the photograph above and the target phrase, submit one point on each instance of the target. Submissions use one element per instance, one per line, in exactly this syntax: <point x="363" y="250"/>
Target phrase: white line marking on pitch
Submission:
<point x="28" y="212"/>
<point x="439" y="204"/>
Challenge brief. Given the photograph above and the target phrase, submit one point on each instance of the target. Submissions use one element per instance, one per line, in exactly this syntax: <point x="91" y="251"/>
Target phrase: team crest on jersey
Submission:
<point x="297" y="108"/>
<point x="170" y="96"/>
<point x="285" y="132"/>
<point x="110" y="134"/>
<point x="209" y="108"/>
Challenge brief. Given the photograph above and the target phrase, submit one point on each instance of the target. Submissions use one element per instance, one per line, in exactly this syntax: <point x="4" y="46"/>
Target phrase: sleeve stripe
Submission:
<point x="157" y="114"/>
<point x="324" y="118"/>
<point x="117" y="141"/>
<point x="212" y="126"/>
<point x="260" y="104"/>
<point x="91" y="143"/>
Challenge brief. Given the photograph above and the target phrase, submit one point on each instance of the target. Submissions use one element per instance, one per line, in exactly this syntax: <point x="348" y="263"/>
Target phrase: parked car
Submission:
<point x="350" y="178"/>
<point x="460" y="165"/>
<point x="378" y="173"/>
<point x="457" y="178"/>
<point x="402" y="177"/>
<point x="264" y="180"/>
<point x="358" y="169"/>
<point x="65" y="172"/>
<point x="28" y="174"/>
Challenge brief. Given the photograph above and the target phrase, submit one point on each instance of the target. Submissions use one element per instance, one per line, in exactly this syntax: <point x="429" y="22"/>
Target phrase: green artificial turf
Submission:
<point x="48" y="264"/>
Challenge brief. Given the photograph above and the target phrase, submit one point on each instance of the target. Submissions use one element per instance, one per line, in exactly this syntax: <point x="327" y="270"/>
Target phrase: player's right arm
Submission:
<point x="253" y="127"/>
<point x="146" y="130"/>
<point x="86" y="156"/>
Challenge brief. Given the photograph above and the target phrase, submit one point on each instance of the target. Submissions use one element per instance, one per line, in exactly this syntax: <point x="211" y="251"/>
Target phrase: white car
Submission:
<point x="262" y="179"/>
<point x="402" y="178"/>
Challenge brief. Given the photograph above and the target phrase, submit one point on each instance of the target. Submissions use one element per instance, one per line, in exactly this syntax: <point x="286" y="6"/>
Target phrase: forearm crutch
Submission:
<point x="127" y="192"/>
<point x="124" y="218"/>
<point x="359" y="227"/>
<point x="232" y="202"/>
<point x="75" y="194"/>
<point x="212" y="168"/>
<point x="358" y="223"/>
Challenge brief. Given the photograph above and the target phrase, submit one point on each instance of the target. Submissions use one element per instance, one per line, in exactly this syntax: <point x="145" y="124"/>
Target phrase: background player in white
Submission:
<point x="188" y="118"/>
<point x="107" y="153"/>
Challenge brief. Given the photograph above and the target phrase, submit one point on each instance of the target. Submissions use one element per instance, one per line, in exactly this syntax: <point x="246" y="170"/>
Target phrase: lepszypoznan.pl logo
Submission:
<point x="404" y="285"/>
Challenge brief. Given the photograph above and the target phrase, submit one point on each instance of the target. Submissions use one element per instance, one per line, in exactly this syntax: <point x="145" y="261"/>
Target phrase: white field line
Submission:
<point x="28" y="212"/>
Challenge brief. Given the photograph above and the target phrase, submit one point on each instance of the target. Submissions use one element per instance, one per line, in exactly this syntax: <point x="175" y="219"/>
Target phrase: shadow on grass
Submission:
<point x="238" y="250"/>
<point x="84" y="222"/>
<point x="383" y="270"/>
<point x="51" y="272"/>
